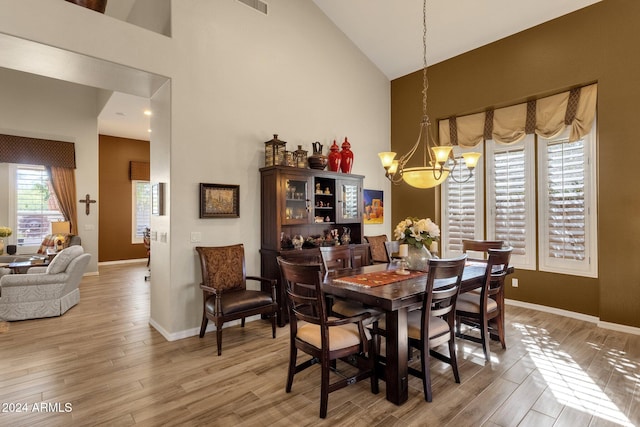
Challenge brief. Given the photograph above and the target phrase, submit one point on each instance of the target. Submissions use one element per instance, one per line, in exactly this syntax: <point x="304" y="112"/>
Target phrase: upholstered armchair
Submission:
<point x="225" y="293"/>
<point x="44" y="291"/>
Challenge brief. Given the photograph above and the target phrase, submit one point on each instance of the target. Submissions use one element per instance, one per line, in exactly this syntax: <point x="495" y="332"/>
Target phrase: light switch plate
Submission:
<point x="196" y="237"/>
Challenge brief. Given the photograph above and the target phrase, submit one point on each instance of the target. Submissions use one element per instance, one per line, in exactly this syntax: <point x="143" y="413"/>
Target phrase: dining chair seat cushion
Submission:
<point x="351" y="309"/>
<point x="342" y="336"/>
<point x="437" y="325"/>
<point x="238" y="301"/>
<point x="470" y="302"/>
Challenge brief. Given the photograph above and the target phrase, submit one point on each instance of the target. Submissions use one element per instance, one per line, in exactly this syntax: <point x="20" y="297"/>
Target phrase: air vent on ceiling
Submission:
<point x="258" y="5"/>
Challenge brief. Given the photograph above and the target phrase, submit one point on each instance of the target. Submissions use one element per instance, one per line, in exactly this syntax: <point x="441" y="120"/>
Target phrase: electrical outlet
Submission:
<point x="514" y="282"/>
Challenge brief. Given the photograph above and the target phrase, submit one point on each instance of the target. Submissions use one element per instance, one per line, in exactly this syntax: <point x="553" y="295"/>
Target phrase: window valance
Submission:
<point x="36" y="151"/>
<point x="139" y="171"/>
<point x="546" y="117"/>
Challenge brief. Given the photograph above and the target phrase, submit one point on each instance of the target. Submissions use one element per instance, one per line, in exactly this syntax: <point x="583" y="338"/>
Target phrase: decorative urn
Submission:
<point x="346" y="157"/>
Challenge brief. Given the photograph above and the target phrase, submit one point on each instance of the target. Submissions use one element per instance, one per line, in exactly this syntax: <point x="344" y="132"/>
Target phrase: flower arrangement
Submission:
<point x="5" y="231"/>
<point x="417" y="232"/>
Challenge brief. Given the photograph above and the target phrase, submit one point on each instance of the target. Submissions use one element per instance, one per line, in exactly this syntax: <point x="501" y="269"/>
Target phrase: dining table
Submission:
<point x="379" y="286"/>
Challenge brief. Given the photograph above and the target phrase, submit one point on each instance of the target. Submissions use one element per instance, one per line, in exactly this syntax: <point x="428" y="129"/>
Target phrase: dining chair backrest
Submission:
<point x="443" y="284"/>
<point x="481" y="246"/>
<point x="303" y="289"/>
<point x="378" y="248"/>
<point x="497" y="268"/>
<point x="336" y="257"/>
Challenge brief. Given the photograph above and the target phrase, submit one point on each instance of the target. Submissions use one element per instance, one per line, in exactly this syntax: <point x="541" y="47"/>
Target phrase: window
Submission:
<point x="36" y="205"/>
<point x="463" y="206"/>
<point x="511" y="199"/>
<point x="559" y="221"/>
<point x="567" y="208"/>
<point x="141" y="212"/>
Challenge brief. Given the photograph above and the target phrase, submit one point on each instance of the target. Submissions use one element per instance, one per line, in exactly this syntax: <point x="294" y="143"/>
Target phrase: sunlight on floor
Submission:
<point x="570" y="384"/>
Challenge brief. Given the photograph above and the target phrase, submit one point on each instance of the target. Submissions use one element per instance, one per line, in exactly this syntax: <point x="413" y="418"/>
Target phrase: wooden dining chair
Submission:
<point x="326" y="339"/>
<point x="336" y="257"/>
<point x="485" y="310"/>
<point x="481" y="246"/>
<point x="225" y="293"/>
<point x="378" y="249"/>
<point x="434" y="324"/>
<point x="340" y="258"/>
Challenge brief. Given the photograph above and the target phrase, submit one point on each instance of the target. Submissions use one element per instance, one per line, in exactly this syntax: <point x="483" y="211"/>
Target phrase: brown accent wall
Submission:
<point x="115" y="154"/>
<point x="595" y="44"/>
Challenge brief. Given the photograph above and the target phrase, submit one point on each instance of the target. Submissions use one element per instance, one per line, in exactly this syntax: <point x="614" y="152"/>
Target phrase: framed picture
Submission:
<point x="373" y="212"/>
<point x="157" y="199"/>
<point x="219" y="201"/>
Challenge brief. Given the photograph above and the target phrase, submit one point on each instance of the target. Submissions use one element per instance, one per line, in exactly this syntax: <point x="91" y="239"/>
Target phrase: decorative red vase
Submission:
<point x="334" y="157"/>
<point x="346" y="155"/>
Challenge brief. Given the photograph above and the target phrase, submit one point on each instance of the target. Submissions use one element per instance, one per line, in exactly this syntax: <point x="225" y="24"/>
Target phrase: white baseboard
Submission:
<point x="579" y="316"/>
<point x="194" y="331"/>
<point x="123" y="261"/>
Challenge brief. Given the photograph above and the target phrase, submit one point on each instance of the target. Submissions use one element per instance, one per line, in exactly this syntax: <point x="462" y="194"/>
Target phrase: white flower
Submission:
<point x="417" y="232"/>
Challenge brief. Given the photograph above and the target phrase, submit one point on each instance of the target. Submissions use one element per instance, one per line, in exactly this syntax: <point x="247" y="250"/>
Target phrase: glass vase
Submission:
<point x="418" y="258"/>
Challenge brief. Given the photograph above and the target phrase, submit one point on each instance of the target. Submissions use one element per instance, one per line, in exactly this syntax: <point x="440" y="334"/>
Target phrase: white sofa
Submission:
<point x="44" y="291"/>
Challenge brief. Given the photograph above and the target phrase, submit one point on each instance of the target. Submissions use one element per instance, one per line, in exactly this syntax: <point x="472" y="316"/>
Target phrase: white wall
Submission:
<point x="237" y="77"/>
<point x="45" y="108"/>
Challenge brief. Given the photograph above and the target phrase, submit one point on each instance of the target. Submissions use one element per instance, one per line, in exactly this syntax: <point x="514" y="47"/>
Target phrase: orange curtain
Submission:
<point x="63" y="181"/>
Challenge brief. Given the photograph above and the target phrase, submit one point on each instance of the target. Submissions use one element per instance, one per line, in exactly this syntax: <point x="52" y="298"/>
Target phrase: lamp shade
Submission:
<point x="60" y="227"/>
<point x="425" y="177"/>
<point x="386" y="158"/>
<point x="471" y="159"/>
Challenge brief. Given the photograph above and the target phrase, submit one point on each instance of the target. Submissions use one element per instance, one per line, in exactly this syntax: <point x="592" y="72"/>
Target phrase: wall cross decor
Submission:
<point x="87" y="201"/>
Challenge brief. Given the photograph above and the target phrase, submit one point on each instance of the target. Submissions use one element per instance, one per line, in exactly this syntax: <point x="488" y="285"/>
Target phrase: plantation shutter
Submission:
<point x="461" y="202"/>
<point x="566" y="207"/>
<point x="510" y="216"/>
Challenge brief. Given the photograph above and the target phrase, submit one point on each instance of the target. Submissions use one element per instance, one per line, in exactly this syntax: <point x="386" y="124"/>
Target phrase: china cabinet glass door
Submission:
<point x="351" y="201"/>
<point x="296" y="201"/>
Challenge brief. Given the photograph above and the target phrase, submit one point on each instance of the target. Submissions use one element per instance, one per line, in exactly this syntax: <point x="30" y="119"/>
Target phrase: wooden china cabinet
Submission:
<point x="310" y="203"/>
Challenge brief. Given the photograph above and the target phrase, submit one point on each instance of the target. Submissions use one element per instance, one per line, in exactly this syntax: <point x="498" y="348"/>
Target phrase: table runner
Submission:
<point x="378" y="278"/>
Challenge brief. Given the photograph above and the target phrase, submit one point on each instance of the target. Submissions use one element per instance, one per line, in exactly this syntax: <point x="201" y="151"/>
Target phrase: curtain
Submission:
<point x="63" y="181"/>
<point x="546" y="117"/>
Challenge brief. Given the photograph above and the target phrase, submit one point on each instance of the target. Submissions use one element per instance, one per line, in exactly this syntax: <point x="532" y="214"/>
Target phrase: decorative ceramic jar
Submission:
<point x="317" y="160"/>
<point x="274" y="152"/>
<point x="346" y="157"/>
<point x="334" y="157"/>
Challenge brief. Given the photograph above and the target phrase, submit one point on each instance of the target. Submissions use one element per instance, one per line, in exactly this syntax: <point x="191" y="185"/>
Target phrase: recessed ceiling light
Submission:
<point x="147" y="112"/>
<point x="149" y="130"/>
<point x="120" y="113"/>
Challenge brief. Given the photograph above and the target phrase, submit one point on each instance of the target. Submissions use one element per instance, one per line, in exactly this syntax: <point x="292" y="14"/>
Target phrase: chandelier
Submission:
<point x="437" y="169"/>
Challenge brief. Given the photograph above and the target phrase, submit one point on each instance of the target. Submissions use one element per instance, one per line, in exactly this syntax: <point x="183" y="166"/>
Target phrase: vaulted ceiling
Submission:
<point x="389" y="33"/>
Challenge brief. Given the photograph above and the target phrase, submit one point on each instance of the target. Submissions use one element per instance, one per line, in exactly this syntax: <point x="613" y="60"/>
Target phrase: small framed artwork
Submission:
<point x="373" y="207"/>
<point x="157" y="199"/>
<point x="219" y="201"/>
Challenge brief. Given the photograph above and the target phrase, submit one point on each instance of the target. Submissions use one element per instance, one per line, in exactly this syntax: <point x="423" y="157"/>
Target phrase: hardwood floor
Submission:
<point x="102" y="364"/>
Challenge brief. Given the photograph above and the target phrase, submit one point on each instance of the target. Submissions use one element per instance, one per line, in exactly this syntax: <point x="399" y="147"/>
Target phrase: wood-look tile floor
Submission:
<point x="102" y="364"/>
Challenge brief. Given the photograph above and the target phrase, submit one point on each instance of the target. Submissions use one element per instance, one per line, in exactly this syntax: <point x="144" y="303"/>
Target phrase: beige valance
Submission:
<point x="551" y="115"/>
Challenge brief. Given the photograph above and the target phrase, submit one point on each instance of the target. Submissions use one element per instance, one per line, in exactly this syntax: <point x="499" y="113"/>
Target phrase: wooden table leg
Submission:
<point x="396" y="370"/>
